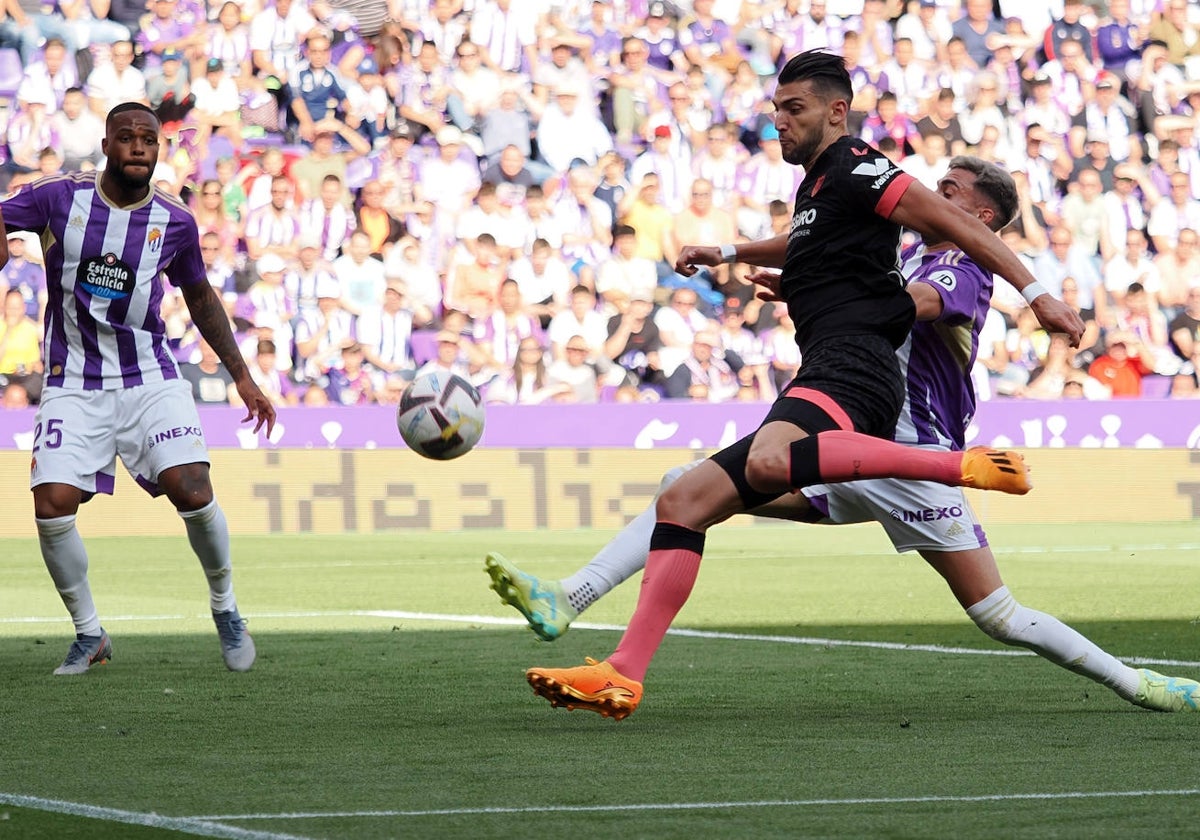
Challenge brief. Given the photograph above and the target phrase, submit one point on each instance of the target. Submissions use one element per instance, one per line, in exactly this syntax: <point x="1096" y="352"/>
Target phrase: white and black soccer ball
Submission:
<point x="440" y="416"/>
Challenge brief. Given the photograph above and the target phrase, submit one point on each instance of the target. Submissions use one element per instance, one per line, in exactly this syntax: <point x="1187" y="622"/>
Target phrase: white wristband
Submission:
<point x="729" y="253"/>
<point x="1034" y="290"/>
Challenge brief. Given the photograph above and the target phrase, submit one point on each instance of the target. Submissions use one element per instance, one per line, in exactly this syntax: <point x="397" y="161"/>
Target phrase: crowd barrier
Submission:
<point x="331" y="491"/>
<point x="1142" y="424"/>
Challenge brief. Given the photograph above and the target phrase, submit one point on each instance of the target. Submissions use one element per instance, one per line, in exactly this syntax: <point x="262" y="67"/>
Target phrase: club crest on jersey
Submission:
<point x="154" y="239"/>
<point x="106" y="277"/>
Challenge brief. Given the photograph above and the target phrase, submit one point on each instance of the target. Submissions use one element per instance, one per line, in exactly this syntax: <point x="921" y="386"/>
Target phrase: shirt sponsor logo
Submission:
<point x="106" y="277"/>
<point x="871" y="168"/>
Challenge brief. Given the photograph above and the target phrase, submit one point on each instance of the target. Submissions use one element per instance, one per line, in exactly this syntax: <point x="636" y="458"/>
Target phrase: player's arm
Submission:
<point x="768" y="253"/>
<point x="208" y="314"/>
<point x="927" y="299"/>
<point x="937" y="220"/>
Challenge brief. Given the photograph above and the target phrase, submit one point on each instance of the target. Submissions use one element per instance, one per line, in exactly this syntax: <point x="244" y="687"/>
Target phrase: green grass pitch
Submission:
<point x="837" y="691"/>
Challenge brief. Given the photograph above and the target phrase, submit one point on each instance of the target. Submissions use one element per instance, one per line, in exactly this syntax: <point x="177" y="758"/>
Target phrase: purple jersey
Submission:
<point x="937" y="357"/>
<point x="103" y="267"/>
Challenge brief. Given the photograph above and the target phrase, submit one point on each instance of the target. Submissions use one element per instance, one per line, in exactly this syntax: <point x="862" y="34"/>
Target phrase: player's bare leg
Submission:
<point x="189" y="488"/>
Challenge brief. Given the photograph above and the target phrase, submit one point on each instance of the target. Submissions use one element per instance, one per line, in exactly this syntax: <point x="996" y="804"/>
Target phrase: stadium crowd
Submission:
<point x="499" y="188"/>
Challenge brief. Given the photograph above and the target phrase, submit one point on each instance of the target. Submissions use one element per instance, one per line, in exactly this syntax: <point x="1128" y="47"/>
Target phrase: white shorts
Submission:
<point x="78" y="435"/>
<point x="917" y="515"/>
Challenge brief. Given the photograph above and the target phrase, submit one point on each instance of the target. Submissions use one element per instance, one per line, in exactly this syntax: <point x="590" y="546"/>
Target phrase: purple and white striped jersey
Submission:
<point x="103" y="273"/>
<point x="937" y="356"/>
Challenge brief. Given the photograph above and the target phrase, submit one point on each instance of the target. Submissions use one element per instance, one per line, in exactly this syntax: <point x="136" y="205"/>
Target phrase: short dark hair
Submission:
<point x="825" y="70"/>
<point x="126" y="107"/>
<point x="994" y="184"/>
<point x="624" y="230"/>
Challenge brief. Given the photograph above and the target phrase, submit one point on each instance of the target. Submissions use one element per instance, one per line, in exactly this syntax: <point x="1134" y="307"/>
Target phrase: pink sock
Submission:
<point x="666" y="584"/>
<point x="847" y="456"/>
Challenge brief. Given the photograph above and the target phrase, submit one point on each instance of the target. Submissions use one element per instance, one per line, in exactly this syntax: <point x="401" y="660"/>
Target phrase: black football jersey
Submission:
<point x="841" y="275"/>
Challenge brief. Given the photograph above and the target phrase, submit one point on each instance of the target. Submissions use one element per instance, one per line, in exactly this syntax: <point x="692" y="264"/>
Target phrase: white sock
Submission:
<point x="67" y="561"/>
<point x="208" y="532"/>
<point x="1001" y="617"/>
<point x="623" y="556"/>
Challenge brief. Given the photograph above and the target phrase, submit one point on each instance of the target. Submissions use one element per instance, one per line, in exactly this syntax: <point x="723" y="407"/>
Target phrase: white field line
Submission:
<point x="197" y="826"/>
<point x="809" y="641"/>
<point x="709" y="806"/>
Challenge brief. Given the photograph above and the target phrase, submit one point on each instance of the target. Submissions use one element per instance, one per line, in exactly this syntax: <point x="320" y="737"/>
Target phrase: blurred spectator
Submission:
<point x="978" y="30"/>
<point x="1176" y="32"/>
<point x="1084" y="214"/>
<point x="1178" y="269"/>
<point x="678" y="323"/>
<point x="943" y="119"/>
<point x="512" y="174"/>
<point x="1139" y="316"/>
<point x="119" y="81"/>
<point x="635" y="90"/>
<point x="674" y="173"/>
<point x="14" y="397"/>
<point x="20" y="351"/>
<point x="764" y="178"/>
<point x="55" y="72"/>
<point x="1065" y="259"/>
<point x="779" y="346"/>
<point x="448" y="180"/>
<point x="217" y="106"/>
<point x="473" y="284"/>
<point x="20" y="274"/>
<point x="79" y="131"/>
<point x="275" y="37"/>
<point x="1185" y="329"/>
<point x="426" y="91"/>
<point x="1177" y="212"/>
<point x="1122" y="365"/>
<point x="1067" y="28"/>
<point x="567" y="132"/>
<point x="29" y="22"/>
<point x="626" y="271"/>
<point x="304" y="275"/>
<point x="360" y="276"/>
<point x="505" y="32"/>
<point x="1131" y="266"/>
<point x="277" y="387"/>
<point x="488" y="215"/>
<point x="701" y="221"/>
<point x="1184" y="385"/>
<point x="661" y="38"/>
<point x="581" y="319"/>
<point x="208" y="207"/>
<point x="450" y="360"/>
<point x="31" y="129"/>
<point x="376" y="222"/>
<point x="274" y="228"/>
<point x="327" y="217"/>
<point x="652" y="223"/>
<point x="931" y="164"/>
<point x="705" y="367"/>
<point x="500" y="334"/>
<point x="575" y="372"/>
<point x="349" y="382"/>
<point x="320" y="332"/>
<point x="544" y="281"/>
<point x="527" y="383"/>
<point x="268" y="303"/>
<point x="633" y="338"/>
<point x="211" y="382"/>
<point x="586" y="224"/>
<point x="446" y="28"/>
<point x="718" y="162"/>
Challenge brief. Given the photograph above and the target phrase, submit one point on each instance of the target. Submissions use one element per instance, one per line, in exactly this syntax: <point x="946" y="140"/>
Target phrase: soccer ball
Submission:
<point x="440" y="416"/>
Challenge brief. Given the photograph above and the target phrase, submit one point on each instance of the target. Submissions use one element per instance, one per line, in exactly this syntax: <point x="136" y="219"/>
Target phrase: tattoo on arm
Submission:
<point x="209" y="317"/>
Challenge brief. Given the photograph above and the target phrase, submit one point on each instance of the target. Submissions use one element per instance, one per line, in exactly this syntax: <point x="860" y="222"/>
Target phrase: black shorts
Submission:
<point x="859" y="373"/>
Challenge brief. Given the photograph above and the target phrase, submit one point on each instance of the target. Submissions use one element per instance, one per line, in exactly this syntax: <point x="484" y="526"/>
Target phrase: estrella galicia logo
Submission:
<point x="106" y="277"/>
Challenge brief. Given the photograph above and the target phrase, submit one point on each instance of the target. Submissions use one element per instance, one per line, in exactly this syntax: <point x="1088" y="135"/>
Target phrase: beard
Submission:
<point x="132" y="181"/>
